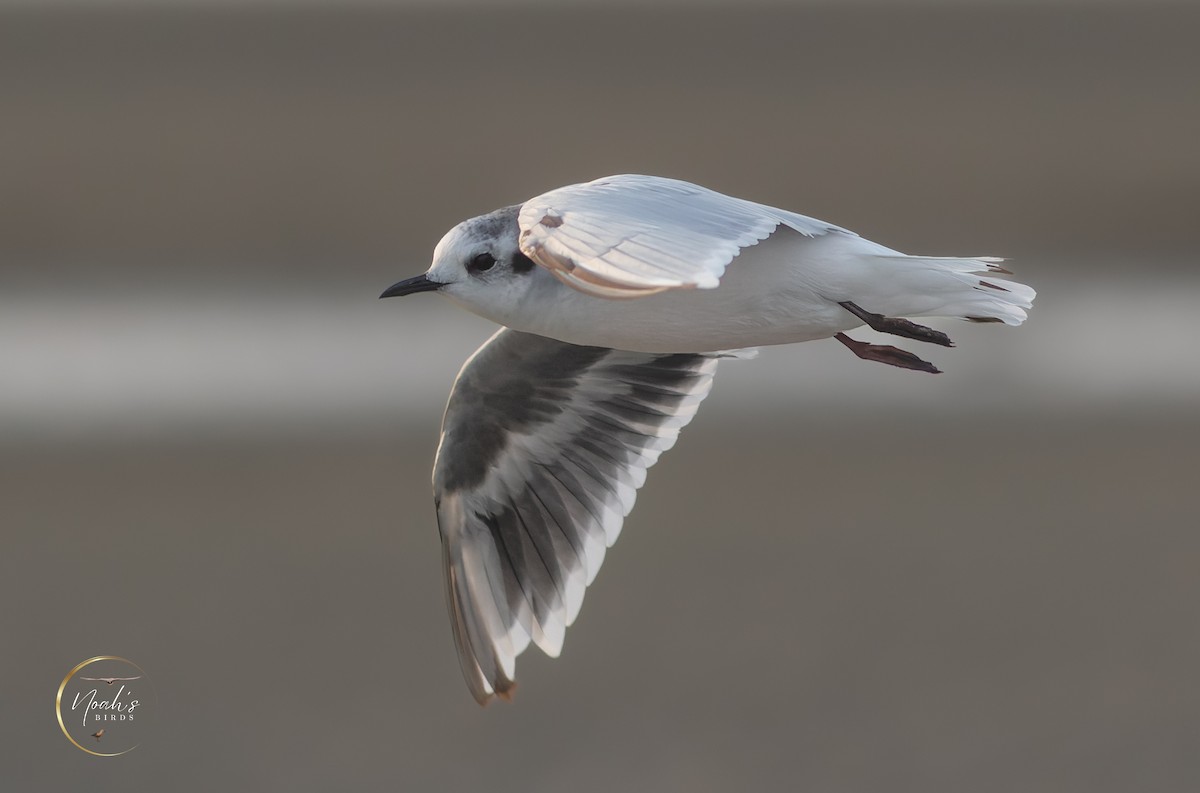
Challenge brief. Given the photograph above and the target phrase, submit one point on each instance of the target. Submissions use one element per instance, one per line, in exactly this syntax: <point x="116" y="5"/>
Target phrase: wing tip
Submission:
<point x="506" y="690"/>
<point x="485" y="693"/>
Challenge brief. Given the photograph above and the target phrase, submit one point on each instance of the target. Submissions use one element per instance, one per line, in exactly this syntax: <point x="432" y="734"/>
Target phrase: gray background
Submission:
<point x="215" y="442"/>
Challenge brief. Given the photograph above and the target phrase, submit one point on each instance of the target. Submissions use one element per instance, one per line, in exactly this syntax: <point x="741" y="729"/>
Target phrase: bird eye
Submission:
<point x="481" y="263"/>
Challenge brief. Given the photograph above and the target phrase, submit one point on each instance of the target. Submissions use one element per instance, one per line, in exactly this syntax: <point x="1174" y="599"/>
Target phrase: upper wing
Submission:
<point x="631" y="235"/>
<point x="544" y="445"/>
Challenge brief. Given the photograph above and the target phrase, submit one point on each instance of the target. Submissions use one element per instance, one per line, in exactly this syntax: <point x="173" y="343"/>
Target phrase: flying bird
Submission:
<point x="618" y="299"/>
<point x="110" y="680"/>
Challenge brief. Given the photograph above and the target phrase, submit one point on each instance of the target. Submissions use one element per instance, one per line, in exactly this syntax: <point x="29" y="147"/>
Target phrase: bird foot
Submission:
<point x="897" y="326"/>
<point x="892" y="356"/>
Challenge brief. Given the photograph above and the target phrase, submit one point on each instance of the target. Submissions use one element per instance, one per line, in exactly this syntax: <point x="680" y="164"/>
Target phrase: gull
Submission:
<point x="110" y="680"/>
<point x="618" y="298"/>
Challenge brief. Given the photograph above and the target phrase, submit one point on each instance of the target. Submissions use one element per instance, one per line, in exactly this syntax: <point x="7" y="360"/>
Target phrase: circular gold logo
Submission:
<point x="105" y="705"/>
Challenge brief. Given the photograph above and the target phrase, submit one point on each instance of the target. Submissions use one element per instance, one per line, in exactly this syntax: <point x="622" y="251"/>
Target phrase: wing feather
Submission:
<point x="544" y="446"/>
<point x="633" y="235"/>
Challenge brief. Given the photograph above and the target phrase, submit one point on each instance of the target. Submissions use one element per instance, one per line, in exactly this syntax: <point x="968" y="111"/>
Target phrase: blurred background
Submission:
<point x="215" y="442"/>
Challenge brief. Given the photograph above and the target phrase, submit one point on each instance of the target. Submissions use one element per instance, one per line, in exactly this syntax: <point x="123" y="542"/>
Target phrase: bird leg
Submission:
<point x="892" y="356"/>
<point x="897" y="326"/>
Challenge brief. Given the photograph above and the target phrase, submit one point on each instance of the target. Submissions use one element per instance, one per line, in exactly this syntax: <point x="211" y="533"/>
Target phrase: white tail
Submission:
<point x="934" y="286"/>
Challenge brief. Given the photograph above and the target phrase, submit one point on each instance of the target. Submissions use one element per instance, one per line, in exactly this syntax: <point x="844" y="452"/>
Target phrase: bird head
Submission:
<point x="479" y="265"/>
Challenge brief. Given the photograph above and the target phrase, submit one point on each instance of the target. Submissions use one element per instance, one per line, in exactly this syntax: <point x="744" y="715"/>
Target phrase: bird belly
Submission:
<point x="772" y="293"/>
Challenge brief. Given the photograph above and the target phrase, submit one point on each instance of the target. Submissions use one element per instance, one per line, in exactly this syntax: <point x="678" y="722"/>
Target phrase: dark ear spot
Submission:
<point x="522" y="263"/>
